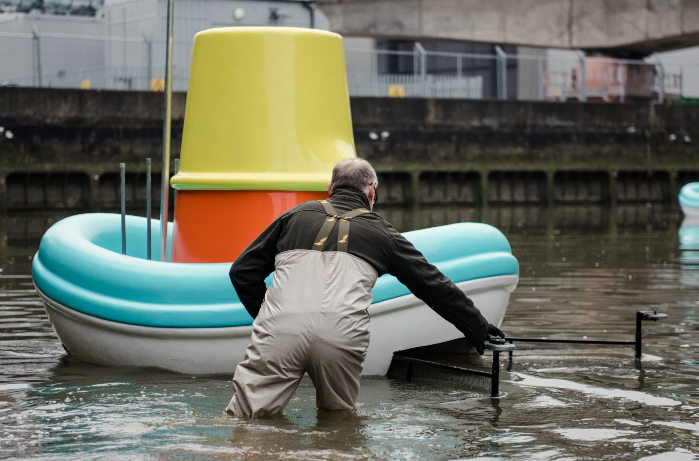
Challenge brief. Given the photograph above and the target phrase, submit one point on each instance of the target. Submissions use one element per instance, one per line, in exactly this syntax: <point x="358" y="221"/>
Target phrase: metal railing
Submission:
<point x="415" y="86"/>
<point x="550" y="76"/>
<point x="557" y="76"/>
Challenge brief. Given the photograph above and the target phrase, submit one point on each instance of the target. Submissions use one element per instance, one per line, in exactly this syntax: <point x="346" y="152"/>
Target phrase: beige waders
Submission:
<point x="313" y="320"/>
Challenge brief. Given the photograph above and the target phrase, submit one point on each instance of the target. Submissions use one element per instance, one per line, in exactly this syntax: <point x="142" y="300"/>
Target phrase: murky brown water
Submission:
<point x="584" y="272"/>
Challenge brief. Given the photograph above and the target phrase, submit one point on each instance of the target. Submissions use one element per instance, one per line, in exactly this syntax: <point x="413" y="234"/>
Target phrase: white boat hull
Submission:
<point x="396" y="324"/>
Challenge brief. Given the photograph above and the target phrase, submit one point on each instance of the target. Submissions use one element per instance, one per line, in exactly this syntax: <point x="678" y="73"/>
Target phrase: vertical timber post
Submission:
<point x="415" y="188"/>
<point x="484" y="188"/>
<point x="3" y="193"/>
<point x="613" y="188"/>
<point x="415" y="198"/>
<point x="94" y="204"/>
<point x="550" y="188"/>
<point x="674" y="189"/>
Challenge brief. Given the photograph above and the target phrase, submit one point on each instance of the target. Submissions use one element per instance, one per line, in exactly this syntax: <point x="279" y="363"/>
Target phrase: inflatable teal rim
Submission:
<point x="79" y="264"/>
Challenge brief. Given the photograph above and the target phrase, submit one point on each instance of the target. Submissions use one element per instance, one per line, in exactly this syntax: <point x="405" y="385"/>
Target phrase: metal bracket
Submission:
<point x="653" y="315"/>
<point x="495" y="343"/>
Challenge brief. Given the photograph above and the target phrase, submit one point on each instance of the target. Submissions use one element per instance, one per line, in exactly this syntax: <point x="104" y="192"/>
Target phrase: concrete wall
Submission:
<point x="62" y="148"/>
<point x="636" y="26"/>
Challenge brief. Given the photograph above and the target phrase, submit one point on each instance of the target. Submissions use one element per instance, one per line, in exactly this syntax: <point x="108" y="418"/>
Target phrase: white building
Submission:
<point x="121" y="44"/>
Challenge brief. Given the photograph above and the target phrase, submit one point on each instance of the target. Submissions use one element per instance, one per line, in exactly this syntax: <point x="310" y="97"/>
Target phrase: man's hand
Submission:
<point x="495" y="331"/>
<point x="492" y="331"/>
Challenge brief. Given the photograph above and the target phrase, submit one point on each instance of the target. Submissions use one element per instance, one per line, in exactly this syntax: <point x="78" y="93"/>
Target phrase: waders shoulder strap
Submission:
<point x="329" y="224"/>
<point x="343" y="231"/>
<point x="326" y="228"/>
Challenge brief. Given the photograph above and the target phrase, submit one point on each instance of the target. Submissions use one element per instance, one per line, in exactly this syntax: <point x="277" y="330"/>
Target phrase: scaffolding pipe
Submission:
<point x="174" y="191"/>
<point x="148" y="208"/>
<point x="422" y="53"/>
<point x="622" y="84"/>
<point x="501" y="73"/>
<point x="167" y="126"/>
<point x="37" y="44"/>
<point x="149" y="53"/>
<point x="415" y="61"/>
<point x="122" y="177"/>
<point x="583" y="78"/>
<point x="660" y="69"/>
<point x="310" y="6"/>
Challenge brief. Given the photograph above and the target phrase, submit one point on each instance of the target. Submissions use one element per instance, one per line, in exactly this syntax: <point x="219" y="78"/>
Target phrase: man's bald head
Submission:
<point x="353" y="172"/>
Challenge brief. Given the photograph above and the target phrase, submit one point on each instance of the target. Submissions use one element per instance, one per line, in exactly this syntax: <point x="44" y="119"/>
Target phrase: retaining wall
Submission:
<point x="62" y="149"/>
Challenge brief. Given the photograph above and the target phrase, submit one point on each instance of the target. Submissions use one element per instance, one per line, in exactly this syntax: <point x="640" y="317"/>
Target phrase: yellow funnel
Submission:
<point x="267" y="109"/>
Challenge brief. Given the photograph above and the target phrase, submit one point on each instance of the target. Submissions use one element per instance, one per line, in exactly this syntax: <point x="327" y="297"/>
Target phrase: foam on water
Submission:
<point x="640" y="397"/>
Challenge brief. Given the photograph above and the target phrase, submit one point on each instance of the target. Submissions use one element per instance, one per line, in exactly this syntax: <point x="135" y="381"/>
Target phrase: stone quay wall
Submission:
<point x="61" y="149"/>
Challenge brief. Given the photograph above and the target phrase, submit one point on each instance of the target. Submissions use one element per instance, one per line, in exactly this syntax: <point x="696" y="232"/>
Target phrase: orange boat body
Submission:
<point x="215" y="226"/>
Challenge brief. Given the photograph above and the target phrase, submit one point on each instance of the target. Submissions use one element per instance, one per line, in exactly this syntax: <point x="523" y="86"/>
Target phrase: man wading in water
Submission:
<point x="314" y="319"/>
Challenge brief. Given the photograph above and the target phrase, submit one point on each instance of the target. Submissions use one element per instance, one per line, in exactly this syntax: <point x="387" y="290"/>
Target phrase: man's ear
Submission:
<point x="330" y="188"/>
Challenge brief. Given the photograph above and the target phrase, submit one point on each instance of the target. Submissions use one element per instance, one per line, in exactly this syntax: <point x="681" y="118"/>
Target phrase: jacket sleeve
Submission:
<point x="435" y="289"/>
<point x="254" y="264"/>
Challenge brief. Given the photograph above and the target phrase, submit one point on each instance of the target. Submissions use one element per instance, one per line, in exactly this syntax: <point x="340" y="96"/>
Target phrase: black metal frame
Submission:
<point x="640" y="317"/>
<point x="498" y="345"/>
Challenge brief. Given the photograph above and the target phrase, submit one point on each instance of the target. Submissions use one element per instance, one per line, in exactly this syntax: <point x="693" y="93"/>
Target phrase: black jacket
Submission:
<point x="373" y="240"/>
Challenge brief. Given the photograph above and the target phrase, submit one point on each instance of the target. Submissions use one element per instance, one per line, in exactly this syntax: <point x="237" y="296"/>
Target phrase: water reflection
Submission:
<point x="585" y="270"/>
<point x="689" y="244"/>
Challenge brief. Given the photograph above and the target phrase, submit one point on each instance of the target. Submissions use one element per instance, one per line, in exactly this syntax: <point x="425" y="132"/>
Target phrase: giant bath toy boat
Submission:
<point x="689" y="200"/>
<point x="267" y="118"/>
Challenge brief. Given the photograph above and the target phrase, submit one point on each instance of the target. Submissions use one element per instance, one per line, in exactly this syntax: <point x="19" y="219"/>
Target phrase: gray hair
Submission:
<point x="354" y="172"/>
